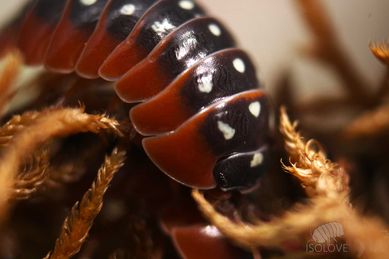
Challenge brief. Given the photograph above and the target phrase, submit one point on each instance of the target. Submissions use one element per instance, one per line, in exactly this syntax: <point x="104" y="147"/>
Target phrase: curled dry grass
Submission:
<point x="309" y="163"/>
<point x="38" y="129"/>
<point x="34" y="175"/>
<point x="76" y="226"/>
<point x="327" y="186"/>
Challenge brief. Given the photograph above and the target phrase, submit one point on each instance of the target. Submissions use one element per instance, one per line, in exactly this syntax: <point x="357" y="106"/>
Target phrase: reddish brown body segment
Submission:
<point x="194" y="89"/>
<point x="116" y="22"/>
<point x="159" y="21"/>
<point x="38" y="28"/>
<point x="204" y="242"/>
<point x="99" y="45"/>
<point x="35" y="39"/>
<point x="166" y="110"/>
<point x="191" y="144"/>
<point x="73" y="31"/>
<point x="180" y="50"/>
<point x="174" y="159"/>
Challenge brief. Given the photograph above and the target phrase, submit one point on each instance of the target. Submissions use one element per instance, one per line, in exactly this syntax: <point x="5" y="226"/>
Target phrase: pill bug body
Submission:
<point x="202" y="110"/>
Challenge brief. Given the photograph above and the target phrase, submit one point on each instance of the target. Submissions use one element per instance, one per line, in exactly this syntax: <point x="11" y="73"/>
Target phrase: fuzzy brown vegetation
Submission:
<point x="369" y="124"/>
<point x="32" y="177"/>
<point x="35" y="169"/>
<point x="309" y="163"/>
<point x="328" y="49"/>
<point x="326" y="185"/>
<point x="77" y="225"/>
<point x="357" y="95"/>
<point x="50" y="123"/>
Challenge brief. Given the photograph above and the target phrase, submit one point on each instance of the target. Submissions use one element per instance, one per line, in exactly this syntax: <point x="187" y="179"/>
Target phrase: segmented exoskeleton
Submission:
<point x="201" y="108"/>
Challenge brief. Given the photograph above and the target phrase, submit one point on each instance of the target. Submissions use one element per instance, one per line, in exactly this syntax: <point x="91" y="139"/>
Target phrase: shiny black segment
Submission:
<point x="49" y="10"/>
<point x="242" y="170"/>
<point x="85" y="15"/>
<point x="192" y="42"/>
<point x="163" y="18"/>
<point x="217" y="76"/>
<point x="124" y="14"/>
<point x="239" y="125"/>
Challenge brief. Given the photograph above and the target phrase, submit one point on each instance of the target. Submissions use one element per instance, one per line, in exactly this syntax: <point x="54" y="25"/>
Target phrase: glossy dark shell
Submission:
<point x="202" y="108"/>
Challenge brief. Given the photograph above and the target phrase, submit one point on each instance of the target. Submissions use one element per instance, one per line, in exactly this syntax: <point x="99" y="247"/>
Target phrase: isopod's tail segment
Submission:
<point x="37" y="29"/>
<point x="158" y="21"/>
<point x="234" y="125"/>
<point x="115" y="24"/>
<point x="72" y="32"/>
<point x="10" y="32"/>
<point x="204" y="242"/>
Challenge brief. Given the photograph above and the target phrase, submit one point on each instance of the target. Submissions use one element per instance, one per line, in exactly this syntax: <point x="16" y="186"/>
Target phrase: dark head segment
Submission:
<point x="241" y="171"/>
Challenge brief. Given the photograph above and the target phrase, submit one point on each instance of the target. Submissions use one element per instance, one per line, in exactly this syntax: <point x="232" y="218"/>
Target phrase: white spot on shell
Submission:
<point x="257" y="160"/>
<point x="187" y="5"/>
<point x="211" y="231"/>
<point x="239" y="65"/>
<point x="215" y="29"/>
<point x="161" y="28"/>
<point x="226" y="129"/>
<point x="88" y="2"/>
<point x="205" y="83"/>
<point x="128" y="9"/>
<point x="255" y="108"/>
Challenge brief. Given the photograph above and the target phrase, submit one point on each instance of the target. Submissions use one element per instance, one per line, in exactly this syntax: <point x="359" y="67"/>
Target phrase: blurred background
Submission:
<point x="276" y="37"/>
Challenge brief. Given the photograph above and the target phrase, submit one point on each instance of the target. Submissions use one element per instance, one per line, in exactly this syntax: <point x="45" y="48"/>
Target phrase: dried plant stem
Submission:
<point x="324" y="104"/>
<point x="381" y="52"/>
<point x="8" y="76"/>
<point x="383" y="89"/>
<point x="49" y="124"/>
<point x="329" y="49"/>
<point x="77" y="225"/>
<point x="292" y="226"/>
<point x="326" y="184"/>
<point x="369" y="124"/>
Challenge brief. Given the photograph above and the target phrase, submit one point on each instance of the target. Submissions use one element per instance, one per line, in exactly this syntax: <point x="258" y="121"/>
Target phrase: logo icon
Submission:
<point x="325" y="239"/>
<point x="327" y="233"/>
